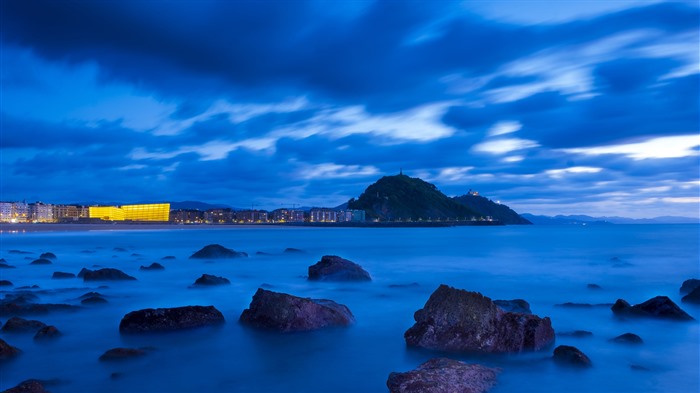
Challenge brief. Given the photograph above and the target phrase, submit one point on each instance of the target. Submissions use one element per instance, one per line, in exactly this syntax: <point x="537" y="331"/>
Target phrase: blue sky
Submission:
<point x="552" y="107"/>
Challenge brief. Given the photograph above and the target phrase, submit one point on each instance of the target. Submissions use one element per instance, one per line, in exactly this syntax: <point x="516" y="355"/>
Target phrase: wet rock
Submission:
<point x="41" y="261"/>
<point x="119" y="249"/>
<point x="571" y="356"/>
<point x="410" y="285"/>
<point x="576" y="333"/>
<point x="287" y="313"/>
<point x="7" y="351"/>
<point x="458" y="320"/>
<point x="119" y="354"/>
<point x="659" y="307"/>
<point x="217" y="251"/>
<point x="627" y="338"/>
<point x="20" y="252"/>
<point x="443" y="375"/>
<point x="4" y="265"/>
<point x="692" y="297"/>
<point x="12" y="308"/>
<point x="94" y="300"/>
<point x="20" y="298"/>
<point x="21" y="325"/>
<point x="168" y="257"/>
<point x="47" y="333"/>
<point x="290" y="250"/>
<point x="208" y="279"/>
<point x="153" y="266"/>
<point x="515" y="305"/>
<point x="48" y="255"/>
<point x="637" y="367"/>
<point x="593" y="286"/>
<point x="60" y="275"/>
<point x="6" y="283"/>
<point x="335" y="268"/>
<point x="82" y="272"/>
<point x="136" y="255"/>
<point x="689" y="285"/>
<point x="2" y="260"/>
<point x="28" y="386"/>
<point x="170" y="319"/>
<point x="262" y="253"/>
<point x="106" y="274"/>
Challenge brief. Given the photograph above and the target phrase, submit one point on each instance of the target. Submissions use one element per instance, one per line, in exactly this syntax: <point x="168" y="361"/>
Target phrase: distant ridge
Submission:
<point x="487" y="207"/>
<point x="588" y="220"/>
<point x="196" y="205"/>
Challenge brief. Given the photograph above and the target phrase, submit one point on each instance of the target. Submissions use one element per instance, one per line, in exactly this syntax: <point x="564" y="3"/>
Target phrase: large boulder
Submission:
<point x="443" y="375"/>
<point x="208" y="280"/>
<point x="627" y="338"/>
<point x="692" y="297"/>
<point x="566" y="355"/>
<point x="6" y="283"/>
<point x="106" y="274"/>
<point x="658" y="307"/>
<point x="28" y="386"/>
<point x="287" y="313"/>
<point x="48" y="255"/>
<point x="41" y="261"/>
<point x="217" y="251"/>
<point x="47" y="332"/>
<point x="689" y="285"/>
<point x="335" y="268"/>
<point x="61" y="275"/>
<point x="7" y="351"/>
<point x="21" y="325"/>
<point x="118" y="354"/>
<point x="153" y="266"/>
<point x="169" y="319"/>
<point x="458" y="320"/>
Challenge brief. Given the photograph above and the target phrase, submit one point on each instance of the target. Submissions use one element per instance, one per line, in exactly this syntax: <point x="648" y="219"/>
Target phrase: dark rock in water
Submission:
<point x="90" y="294"/>
<point x="615" y="259"/>
<point x="28" y="287"/>
<point x="208" y="279"/>
<point x="12" y="308"/>
<point x="515" y="305"/>
<point x="689" y="285"/>
<point x="458" y="320"/>
<point x="94" y="300"/>
<point x="20" y="298"/>
<point x="262" y="253"/>
<point x="170" y="319"/>
<point x="6" y="283"/>
<point x="119" y="249"/>
<point x="168" y="257"/>
<point x="593" y="286"/>
<point x="410" y="285"/>
<point x="627" y="338"/>
<point x="216" y="251"/>
<point x="136" y="255"/>
<point x="21" y="325"/>
<point x="82" y="272"/>
<point x="20" y="252"/>
<point x="41" y="261"/>
<point x="571" y="356"/>
<point x="58" y="275"/>
<point x="121" y="354"/>
<point x="48" y="255"/>
<point x="106" y="274"/>
<point x="637" y="367"/>
<point x="658" y="307"/>
<point x="692" y="297"/>
<point x="87" y="251"/>
<point x="576" y="333"/>
<point x="7" y="351"/>
<point x="6" y="266"/>
<point x="47" y="332"/>
<point x="287" y="313"/>
<point x="2" y="260"/>
<point x="28" y="386"/>
<point x="335" y="268"/>
<point x="443" y="375"/>
<point x="574" y="305"/>
<point x="290" y="250"/>
<point x="153" y="266"/>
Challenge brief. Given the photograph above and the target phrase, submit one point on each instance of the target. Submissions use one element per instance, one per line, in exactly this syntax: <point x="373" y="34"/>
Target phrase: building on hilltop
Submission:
<point x="152" y="212"/>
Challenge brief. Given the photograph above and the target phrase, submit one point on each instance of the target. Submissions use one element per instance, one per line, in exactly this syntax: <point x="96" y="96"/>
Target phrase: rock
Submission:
<point x="13" y="308"/>
<point x="94" y="300"/>
<point x="21" y="325"/>
<point x="2" y="260"/>
<point x="216" y="251"/>
<point x="576" y="333"/>
<point x="515" y="305"/>
<point x="443" y="375"/>
<point x="119" y="249"/>
<point x="208" y="279"/>
<point x="106" y="274"/>
<point x="121" y="354"/>
<point x="90" y="294"/>
<point x="627" y="338"/>
<point x="335" y="268"/>
<point x="48" y="255"/>
<point x="170" y="319"/>
<point x="21" y="298"/>
<point x="689" y="285"/>
<point x="262" y="253"/>
<point x="692" y="297"/>
<point x="7" y="351"/>
<point x="20" y="252"/>
<point x="41" y="261"/>
<point x="82" y="272"/>
<point x="28" y="386"/>
<point x="574" y="305"/>
<point x="6" y="283"/>
<point x="571" y="356"/>
<point x="409" y="285"/>
<point x="287" y="313"/>
<point x="458" y="320"/>
<point x="59" y="275"/>
<point x="136" y="255"/>
<point x="153" y="266"/>
<point x="168" y="257"/>
<point x="593" y="286"/>
<point x="47" y="332"/>
<point x="290" y="250"/>
<point x="6" y="266"/>
<point x="637" y="367"/>
<point x="658" y="307"/>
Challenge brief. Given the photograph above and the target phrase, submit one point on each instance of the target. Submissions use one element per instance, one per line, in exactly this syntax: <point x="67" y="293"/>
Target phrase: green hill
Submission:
<point x="495" y="210"/>
<point x="400" y="197"/>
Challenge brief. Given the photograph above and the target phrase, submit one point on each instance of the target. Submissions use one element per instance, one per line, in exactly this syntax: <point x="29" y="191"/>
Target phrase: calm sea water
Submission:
<point x="544" y="265"/>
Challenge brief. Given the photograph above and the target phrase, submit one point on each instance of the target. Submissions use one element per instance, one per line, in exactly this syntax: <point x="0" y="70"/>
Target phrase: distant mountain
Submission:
<point x="563" y="220"/>
<point x="196" y="205"/>
<point x="588" y="220"/>
<point x="401" y="197"/>
<point x="490" y="208"/>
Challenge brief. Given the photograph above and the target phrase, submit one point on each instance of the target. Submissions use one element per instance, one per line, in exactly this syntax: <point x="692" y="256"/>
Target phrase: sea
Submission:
<point x="545" y="265"/>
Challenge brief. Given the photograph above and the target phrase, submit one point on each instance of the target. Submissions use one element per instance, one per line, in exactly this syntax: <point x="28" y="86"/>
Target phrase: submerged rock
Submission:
<point x="627" y="338"/>
<point x="4" y="265"/>
<point x="217" y="251"/>
<point x="82" y="272"/>
<point x="658" y="307"/>
<point x="21" y="325"/>
<point x="60" y="275"/>
<point x="41" y="261"/>
<point x="576" y="333"/>
<point x="14" y="308"/>
<point x="290" y="250"/>
<point x="20" y="252"/>
<point x="443" y="375"/>
<point x="28" y="386"/>
<point x="458" y="320"/>
<point x="6" y="283"/>
<point x="287" y="313"/>
<point x="168" y="257"/>
<point x="47" y="332"/>
<point x="515" y="305"/>
<point x="335" y="268"/>
<point x="153" y="266"/>
<point x="94" y="300"/>
<point x="593" y="286"/>
<point x="571" y="356"/>
<point x="208" y="279"/>
<point x="106" y="274"/>
<point x="48" y="255"/>
<point x="89" y="295"/>
<point x="692" y="297"/>
<point x="170" y="319"/>
<point x="689" y="285"/>
<point x="7" y="351"/>
<point x="121" y="354"/>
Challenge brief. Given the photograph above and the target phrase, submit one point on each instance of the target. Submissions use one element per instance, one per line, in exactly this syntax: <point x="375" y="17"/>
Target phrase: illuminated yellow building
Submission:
<point x="147" y="212"/>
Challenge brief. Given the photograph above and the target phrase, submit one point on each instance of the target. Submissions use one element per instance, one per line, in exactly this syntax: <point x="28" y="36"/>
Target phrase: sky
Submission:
<point x="551" y="107"/>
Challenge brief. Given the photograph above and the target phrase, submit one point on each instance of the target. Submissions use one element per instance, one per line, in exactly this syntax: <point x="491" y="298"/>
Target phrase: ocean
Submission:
<point x="545" y="265"/>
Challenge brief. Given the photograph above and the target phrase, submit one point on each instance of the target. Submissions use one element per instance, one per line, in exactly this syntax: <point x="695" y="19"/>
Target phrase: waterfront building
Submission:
<point x="14" y="212"/>
<point x="287" y="215"/>
<point x="251" y="216"/>
<point x="323" y="215"/>
<point x="219" y="216"/>
<point x="41" y="212"/>
<point x="153" y="212"/>
<point x="351" y="216"/>
<point x="187" y="216"/>
<point x="68" y="213"/>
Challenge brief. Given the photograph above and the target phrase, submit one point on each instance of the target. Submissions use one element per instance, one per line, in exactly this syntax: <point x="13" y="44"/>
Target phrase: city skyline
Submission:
<point x="548" y="107"/>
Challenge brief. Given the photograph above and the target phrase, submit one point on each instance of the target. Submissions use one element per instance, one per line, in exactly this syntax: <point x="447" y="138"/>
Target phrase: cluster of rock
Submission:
<point x="691" y="289"/>
<point x="657" y="307"/>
